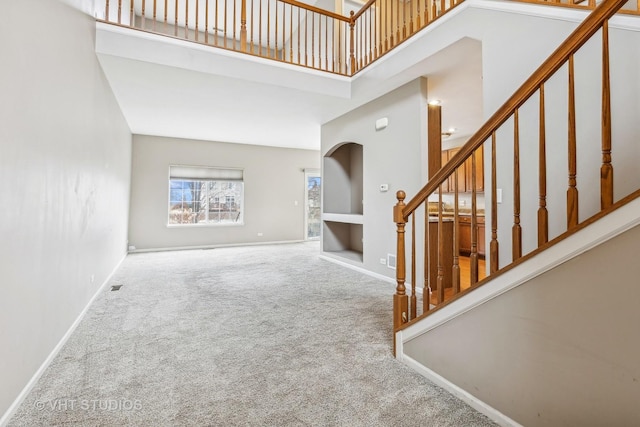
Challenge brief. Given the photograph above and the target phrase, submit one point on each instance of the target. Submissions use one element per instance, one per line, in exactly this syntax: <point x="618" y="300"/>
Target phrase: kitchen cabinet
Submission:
<point x="464" y="173"/>
<point x="447" y="255"/>
<point x="464" y="232"/>
<point x="479" y="155"/>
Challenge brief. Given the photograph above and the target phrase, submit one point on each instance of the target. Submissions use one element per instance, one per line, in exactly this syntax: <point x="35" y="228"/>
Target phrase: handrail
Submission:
<point x="578" y="37"/>
<point x="442" y="241"/>
<point x="315" y="9"/>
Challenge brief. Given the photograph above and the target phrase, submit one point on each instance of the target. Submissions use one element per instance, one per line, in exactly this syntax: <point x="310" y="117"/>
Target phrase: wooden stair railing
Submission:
<point x="407" y="308"/>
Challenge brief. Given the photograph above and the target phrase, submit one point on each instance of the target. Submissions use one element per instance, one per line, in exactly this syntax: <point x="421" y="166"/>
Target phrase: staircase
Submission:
<point x="546" y="337"/>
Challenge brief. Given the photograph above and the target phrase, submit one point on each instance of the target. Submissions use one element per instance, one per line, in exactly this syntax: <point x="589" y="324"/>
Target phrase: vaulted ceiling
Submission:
<point x="174" y="88"/>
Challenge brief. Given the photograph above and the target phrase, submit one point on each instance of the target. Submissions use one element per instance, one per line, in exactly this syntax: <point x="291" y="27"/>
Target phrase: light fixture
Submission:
<point x="435" y="102"/>
<point x="449" y="132"/>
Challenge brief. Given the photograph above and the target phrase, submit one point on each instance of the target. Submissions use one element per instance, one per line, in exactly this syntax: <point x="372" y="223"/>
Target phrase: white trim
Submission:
<point x="358" y="269"/>
<point x="593" y="235"/>
<point x="34" y="379"/>
<point x="228" y="245"/>
<point x="461" y="394"/>
<point x="345" y="218"/>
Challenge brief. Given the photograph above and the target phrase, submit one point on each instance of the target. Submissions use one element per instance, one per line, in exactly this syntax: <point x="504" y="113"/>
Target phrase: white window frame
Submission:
<point x="207" y="174"/>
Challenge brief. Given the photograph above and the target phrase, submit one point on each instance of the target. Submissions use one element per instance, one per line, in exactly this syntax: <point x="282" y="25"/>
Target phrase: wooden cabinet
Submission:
<point x="445" y="159"/>
<point x="447" y="258"/>
<point x="479" y="156"/>
<point x="464" y="173"/>
<point x="464" y="232"/>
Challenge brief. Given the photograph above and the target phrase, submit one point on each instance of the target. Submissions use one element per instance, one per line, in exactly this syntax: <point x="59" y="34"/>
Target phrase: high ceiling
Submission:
<point x="168" y="87"/>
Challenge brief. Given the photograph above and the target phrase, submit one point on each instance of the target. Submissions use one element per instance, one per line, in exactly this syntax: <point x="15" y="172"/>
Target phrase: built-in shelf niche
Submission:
<point x="342" y="217"/>
<point x="342" y="239"/>
<point x="342" y="180"/>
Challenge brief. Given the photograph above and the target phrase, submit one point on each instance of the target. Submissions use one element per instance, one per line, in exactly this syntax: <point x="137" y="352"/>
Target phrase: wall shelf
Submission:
<point x="346" y="218"/>
<point x="342" y="217"/>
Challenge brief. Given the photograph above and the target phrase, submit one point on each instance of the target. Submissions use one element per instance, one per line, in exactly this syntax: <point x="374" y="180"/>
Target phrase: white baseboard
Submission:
<point x="469" y="399"/>
<point x="34" y="379"/>
<point x="358" y="269"/>
<point x="228" y="245"/>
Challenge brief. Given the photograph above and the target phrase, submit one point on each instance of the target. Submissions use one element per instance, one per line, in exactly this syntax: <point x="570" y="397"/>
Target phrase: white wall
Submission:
<point x="504" y="70"/>
<point x="274" y="189"/>
<point x="65" y="153"/>
<point x="559" y="350"/>
<point x="393" y="156"/>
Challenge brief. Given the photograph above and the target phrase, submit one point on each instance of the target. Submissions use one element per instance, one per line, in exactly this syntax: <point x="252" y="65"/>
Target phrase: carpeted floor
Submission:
<point x="252" y="336"/>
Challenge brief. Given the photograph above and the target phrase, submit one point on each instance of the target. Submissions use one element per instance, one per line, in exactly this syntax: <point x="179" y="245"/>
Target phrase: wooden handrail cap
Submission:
<point x="401" y="195"/>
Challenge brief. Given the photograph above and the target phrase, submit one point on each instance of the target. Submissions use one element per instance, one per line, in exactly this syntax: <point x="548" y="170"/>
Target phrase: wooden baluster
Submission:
<point x="606" y="170"/>
<point x="434" y="10"/>
<point x="299" y="36"/>
<point x="410" y="17"/>
<point x="418" y="16"/>
<point x="284" y="30"/>
<point x="106" y="11"/>
<point x="400" y="299"/>
<point x="339" y="58"/>
<point x="375" y="40"/>
<point x="326" y="43"/>
<point x="243" y="25"/>
<point x="197" y="13"/>
<point x="206" y="21"/>
<point x="215" y="34"/>
<point x="186" y="19"/>
<point x="397" y="2"/>
<point x="352" y="58"/>
<point x="155" y="10"/>
<point x="543" y="214"/>
<point x="426" y="292"/>
<point x="175" y="21"/>
<point x="455" y="269"/>
<point x="165" y="13"/>
<point x="362" y="54"/>
<point x="306" y="36"/>
<point x="414" y="302"/>
<point x="269" y="28"/>
<point x="132" y="15"/>
<point x="291" y="34"/>
<point x="572" y="191"/>
<point x="404" y="21"/>
<point x="386" y="26"/>
<point x="493" y="246"/>
<point x="516" y="230"/>
<point x="313" y="39"/>
<point x="440" y="278"/>
<point x="275" y="35"/>
<point x="391" y="32"/>
<point x="473" y="256"/>
<point x="320" y="41"/>
<point x="370" y="14"/>
<point x="251" y="45"/>
<point x="442" y="7"/>
<point x="120" y="12"/>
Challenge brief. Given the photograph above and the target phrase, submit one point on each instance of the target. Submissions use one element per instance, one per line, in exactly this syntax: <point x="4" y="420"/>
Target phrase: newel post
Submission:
<point x="243" y="25"/>
<point x="400" y="299"/>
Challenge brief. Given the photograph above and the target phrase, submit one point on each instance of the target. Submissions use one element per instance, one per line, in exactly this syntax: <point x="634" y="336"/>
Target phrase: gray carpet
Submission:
<point x="253" y="336"/>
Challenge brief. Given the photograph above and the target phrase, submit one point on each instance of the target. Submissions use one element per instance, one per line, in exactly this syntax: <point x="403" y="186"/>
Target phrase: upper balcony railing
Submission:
<point x="283" y="30"/>
<point x="294" y="32"/>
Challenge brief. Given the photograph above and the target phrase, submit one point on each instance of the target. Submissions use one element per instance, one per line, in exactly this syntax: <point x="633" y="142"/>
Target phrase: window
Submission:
<point x="201" y="195"/>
